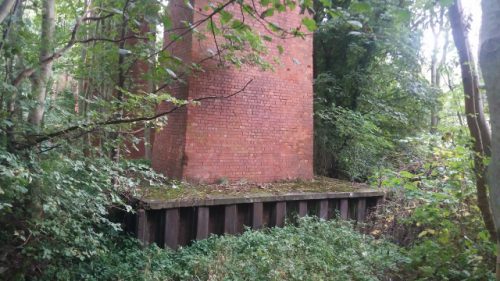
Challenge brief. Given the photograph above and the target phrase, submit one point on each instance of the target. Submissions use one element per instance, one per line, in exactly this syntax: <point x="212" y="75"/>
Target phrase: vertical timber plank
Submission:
<point x="323" y="209"/>
<point x="257" y="215"/>
<point x="361" y="209"/>
<point x="142" y="228"/>
<point x="302" y="208"/>
<point x="202" y="223"/>
<point x="230" y="219"/>
<point x="344" y="208"/>
<point x="280" y="213"/>
<point x="171" y="239"/>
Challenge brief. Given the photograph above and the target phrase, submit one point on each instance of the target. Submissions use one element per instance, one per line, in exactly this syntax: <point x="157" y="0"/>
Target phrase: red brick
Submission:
<point x="263" y="134"/>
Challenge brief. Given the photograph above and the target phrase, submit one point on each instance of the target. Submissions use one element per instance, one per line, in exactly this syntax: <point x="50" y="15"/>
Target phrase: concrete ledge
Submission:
<point x="157" y="204"/>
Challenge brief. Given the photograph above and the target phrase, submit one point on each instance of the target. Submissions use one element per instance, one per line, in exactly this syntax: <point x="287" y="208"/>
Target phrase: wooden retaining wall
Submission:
<point x="177" y="223"/>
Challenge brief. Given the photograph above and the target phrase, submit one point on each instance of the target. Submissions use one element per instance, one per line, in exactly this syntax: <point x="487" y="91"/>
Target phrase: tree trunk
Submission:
<point x="39" y="86"/>
<point x="148" y="130"/>
<point x="39" y="80"/>
<point x="16" y="64"/>
<point x="5" y="8"/>
<point x="476" y="122"/>
<point x="489" y="58"/>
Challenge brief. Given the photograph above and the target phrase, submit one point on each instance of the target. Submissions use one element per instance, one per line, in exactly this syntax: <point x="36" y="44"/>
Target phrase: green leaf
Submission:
<point x="267" y="38"/>
<point x="274" y="27"/>
<point x="360" y="8"/>
<point x="281" y="50"/>
<point x="237" y="24"/>
<point x="326" y="3"/>
<point x="167" y="22"/>
<point x="280" y="7"/>
<point x="309" y="23"/>
<point x="355" y="24"/>
<point x="406" y="174"/>
<point x="267" y="13"/>
<point x="225" y="16"/>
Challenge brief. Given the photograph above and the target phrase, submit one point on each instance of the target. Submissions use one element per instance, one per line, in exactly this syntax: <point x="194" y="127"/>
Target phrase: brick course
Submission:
<point x="263" y="134"/>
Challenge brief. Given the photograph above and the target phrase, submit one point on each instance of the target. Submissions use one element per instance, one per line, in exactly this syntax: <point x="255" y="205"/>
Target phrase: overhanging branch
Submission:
<point x="84" y="127"/>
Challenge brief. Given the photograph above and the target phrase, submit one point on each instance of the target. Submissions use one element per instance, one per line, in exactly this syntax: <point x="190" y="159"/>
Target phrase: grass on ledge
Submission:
<point x="183" y="190"/>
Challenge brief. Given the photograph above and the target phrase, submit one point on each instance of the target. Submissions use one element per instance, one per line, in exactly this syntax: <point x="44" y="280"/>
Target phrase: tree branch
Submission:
<point x="57" y="54"/>
<point x="37" y="140"/>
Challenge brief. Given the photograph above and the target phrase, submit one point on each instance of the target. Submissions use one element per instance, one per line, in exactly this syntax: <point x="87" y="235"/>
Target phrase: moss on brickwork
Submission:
<point x="183" y="190"/>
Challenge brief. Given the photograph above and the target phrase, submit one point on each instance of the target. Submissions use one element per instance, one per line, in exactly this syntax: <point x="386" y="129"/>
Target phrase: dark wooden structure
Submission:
<point x="174" y="223"/>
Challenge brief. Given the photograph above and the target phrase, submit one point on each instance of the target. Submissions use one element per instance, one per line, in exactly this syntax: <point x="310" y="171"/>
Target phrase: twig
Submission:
<point x="215" y="40"/>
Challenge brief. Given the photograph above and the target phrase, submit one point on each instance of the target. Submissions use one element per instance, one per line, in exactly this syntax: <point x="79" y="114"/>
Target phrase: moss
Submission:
<point x="183" y="190"/>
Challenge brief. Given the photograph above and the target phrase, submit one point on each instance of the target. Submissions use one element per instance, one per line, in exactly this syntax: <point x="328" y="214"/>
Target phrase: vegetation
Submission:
<point x="71" y="107"/>
<point x="183" y="190"/>
<point x="333" y="249"/>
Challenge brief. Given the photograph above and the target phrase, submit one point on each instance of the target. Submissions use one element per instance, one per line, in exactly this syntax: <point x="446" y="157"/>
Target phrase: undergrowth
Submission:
<point x="313" y="250"/>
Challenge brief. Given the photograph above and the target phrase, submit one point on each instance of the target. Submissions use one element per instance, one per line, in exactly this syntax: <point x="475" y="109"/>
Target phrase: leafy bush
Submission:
<point x="437" y="215"/>
<point x="55" y="210"/>
<point x="369" y="90"/>
<point x="349" y="142"/>
<point x="313" y="250"/>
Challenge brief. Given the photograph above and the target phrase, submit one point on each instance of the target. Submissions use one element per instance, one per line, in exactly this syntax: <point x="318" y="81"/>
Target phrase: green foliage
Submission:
<point x="366" y="68"/>
<point x="450" y="241"/>
<point x="63" y="177"/>
<point x="72" y="222"/>
<point x="311" y="251"/>
<point x="363" y="142"/>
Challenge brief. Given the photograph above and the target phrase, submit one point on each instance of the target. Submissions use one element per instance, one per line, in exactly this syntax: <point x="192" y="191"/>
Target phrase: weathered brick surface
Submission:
<point x="168" y="147"/>
<point x="263" y="134"/>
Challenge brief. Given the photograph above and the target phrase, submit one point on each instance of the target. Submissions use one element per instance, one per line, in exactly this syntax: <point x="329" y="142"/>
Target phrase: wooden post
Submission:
<point x="142" y="228"/>
<point x="171" y="238"/>
<point x="361" y="209"/>
<point x="280" y="213"/>
<point x="202" y="223"/>
<point x="323" y="209"/>
<point x="230" y="219"/>
<point x="344" y="209"/>
<point x="302" y="208"/>
<point x="257" y="215"/>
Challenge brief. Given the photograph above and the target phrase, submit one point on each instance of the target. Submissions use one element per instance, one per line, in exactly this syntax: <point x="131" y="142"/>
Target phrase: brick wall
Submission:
<point x="168" y="147"/>
<point x="263" y="134"/>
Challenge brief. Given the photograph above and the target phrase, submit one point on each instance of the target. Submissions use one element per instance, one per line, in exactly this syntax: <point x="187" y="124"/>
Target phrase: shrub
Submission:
<point x="313" y="250"/>
<point x="433" y="212"/>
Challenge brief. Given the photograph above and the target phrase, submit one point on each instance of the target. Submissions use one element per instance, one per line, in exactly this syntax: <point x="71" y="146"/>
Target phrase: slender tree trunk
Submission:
<point x="15" y="64"/>
<point x="476" y="121"/>
<point x="489" y="58"/>
<point x="83" y="84"/>
<point x="39" y="80"/>
<point x="148" y="130"/>
<point x="120" y="85"/>
<point x="5" y="8"/>
<point x="39" y="86"/>
<point x="438" y="28"/>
